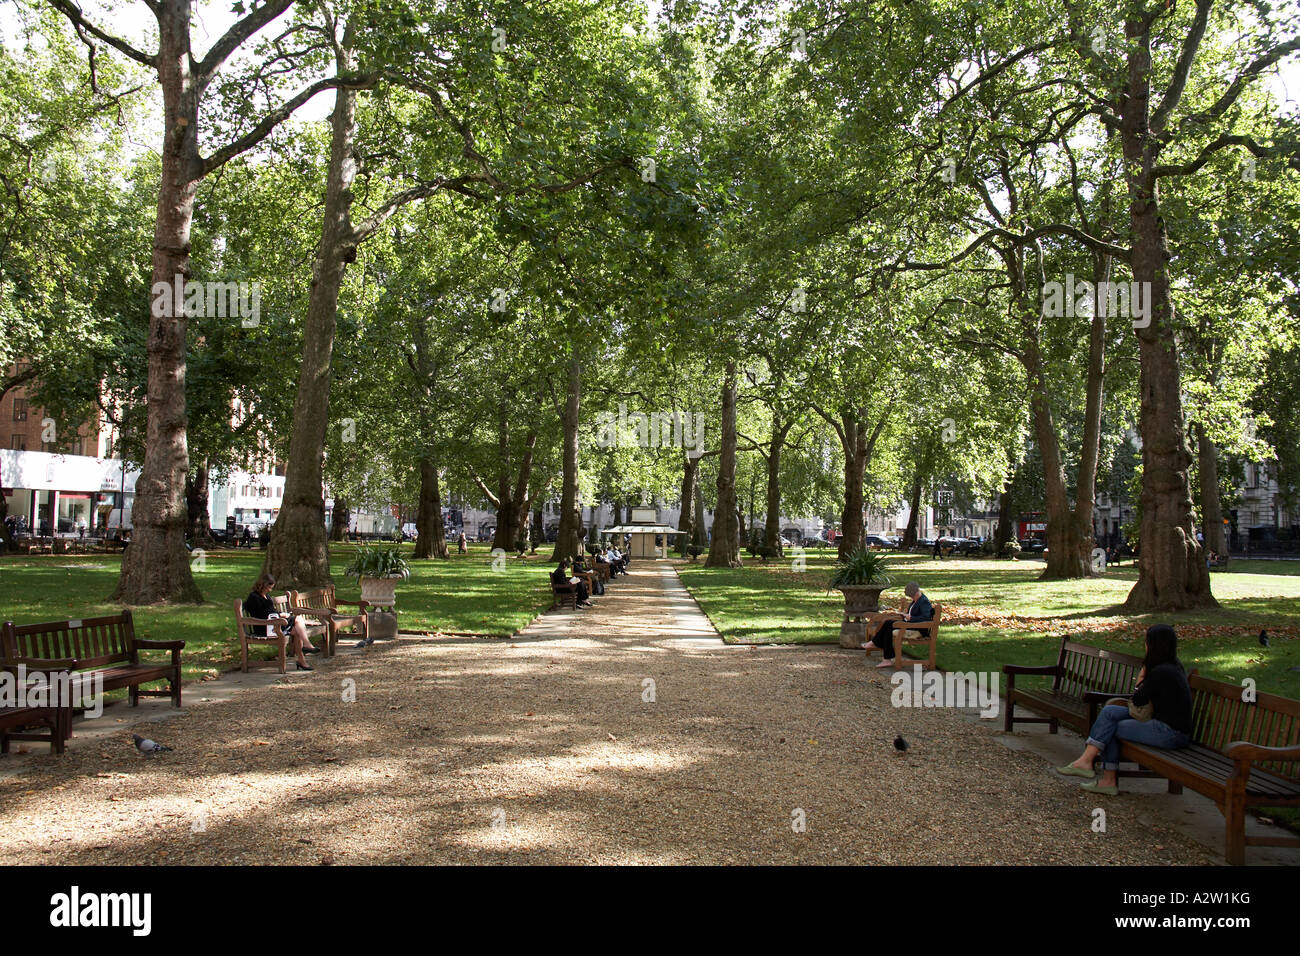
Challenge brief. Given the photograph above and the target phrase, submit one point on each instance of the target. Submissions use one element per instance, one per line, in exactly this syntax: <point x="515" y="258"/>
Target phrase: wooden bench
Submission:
<point x="104" y="646"/>
<point x="321" y="605"/>
<point x="16" y="723"/>
<point x="908" y="632"/>
<point x="560" y="594"/>
<point x="1242" y="755"/>
<point x="246" y="629"/>
<point x="1083" y="677"/>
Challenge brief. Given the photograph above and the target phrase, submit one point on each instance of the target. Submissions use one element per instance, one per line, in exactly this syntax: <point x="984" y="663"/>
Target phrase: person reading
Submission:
<point x="920" y="610"/>
<point x="258" y="604"/>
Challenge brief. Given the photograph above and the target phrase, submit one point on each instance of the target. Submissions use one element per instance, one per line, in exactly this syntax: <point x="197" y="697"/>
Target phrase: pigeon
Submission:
<point x="147" y="746"/>
<point x="1263" y="638"/>
<point x="900" y="744"/>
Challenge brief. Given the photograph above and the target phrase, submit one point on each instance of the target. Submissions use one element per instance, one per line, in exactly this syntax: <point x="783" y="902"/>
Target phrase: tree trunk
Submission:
<point x="298" y="554"/>
<point x="504" y="536"/>
<point x="196" y="504"/>
<point x="430" y="537"/>
<point x="1067" y="555"/>
<point x="567" y="541"/>
<point x="156" y="568"/>
<point x="854" y="445"/>
<point x="772" y="527"/>
<point x="1211" y="506"/>
<point x="724" y="549"/>
<point x="342" y="518"/>
<point x="914" y="516"/>
<point x="697" y="529"/>
<point x="1006" y="518"/>
<point x="685" y="522"/>
<point x="1171" y="565"/>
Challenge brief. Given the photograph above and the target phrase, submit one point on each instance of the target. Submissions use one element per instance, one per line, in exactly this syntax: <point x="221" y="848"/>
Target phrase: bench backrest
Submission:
<point x="1084" y="668"/>
<point x="313" y="597"/>
<point x="1220" y="717"/>
<point x="93" y="641"/>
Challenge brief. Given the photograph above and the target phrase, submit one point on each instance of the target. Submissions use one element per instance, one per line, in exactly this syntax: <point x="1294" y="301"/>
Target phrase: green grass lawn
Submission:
<point x="998" y="612"/>
<point x="463" y="595"/>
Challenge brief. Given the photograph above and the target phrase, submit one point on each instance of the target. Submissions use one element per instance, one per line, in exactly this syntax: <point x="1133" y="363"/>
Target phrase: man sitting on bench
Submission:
<point x="617" y="563"/>
<point x="920" y="610"/>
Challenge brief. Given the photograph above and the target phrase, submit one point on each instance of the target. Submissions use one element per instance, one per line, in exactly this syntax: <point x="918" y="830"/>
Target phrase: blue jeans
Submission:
<point x="1114" y="724"/>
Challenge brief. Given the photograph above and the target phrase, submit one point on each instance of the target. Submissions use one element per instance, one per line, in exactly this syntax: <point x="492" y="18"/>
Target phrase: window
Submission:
<point x="20" y="409"/>
<point x="19" y="443"/>
<point x="50" y="446"/>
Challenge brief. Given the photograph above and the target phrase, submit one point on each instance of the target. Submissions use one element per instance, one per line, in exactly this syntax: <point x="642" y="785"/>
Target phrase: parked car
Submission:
<point x="882" y="542"/>
<point x="968" y="546"/>
<point x="815" y="541"/>
<point x="1033" y="545"/>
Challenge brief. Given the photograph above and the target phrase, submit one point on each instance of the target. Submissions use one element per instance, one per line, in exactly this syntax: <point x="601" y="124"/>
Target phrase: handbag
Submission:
<point x="1144" y="712"/>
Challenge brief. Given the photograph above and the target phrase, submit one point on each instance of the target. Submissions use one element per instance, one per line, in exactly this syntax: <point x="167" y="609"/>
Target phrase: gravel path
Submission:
<point x="548" y="748"/>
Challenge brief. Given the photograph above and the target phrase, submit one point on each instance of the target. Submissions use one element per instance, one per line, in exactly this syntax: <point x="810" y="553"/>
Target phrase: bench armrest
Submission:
<point x="1101" y="696"/>
<point x="161" y="645"/>
<point x="174" y="646"/>
<point x="319" y="613"/>
<point x="1244" y="750"/>
<point x="1047" y="670"/>
<point x="361" y="604"/>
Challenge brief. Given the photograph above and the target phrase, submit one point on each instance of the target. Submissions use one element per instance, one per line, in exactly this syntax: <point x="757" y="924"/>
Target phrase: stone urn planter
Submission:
<point x="860" y="577"/>
<point x="861" y="599"/>
<point x="378" y="570"/>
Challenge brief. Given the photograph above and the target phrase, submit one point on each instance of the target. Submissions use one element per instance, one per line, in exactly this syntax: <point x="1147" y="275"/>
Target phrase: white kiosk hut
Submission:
<point x="644" y="529"/>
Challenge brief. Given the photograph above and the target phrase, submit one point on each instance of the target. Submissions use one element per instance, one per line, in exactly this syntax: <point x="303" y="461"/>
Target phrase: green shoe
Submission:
<point x="1072" y="771"/>
<point x="1095" y="787"/>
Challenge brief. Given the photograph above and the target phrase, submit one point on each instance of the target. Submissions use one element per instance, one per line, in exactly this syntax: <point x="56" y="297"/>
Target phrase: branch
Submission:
<point x="240" y="31"/>
<point x="1246" y="76"/>
<point x="73" y="13"/>
<point x="1225" y="140"/>
<point x="460" y="184"/>
<point x="482" y="486"/>
<point x="277" y="116"/>
<point x="1186" y="56"/>
<point x="993" y="71"/>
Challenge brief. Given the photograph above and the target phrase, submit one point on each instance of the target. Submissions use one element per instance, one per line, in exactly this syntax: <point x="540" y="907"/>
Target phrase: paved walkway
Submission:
<point x="624" y="734"/>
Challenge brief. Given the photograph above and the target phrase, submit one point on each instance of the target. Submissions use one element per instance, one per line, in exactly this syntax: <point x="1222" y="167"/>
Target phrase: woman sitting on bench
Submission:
<point x="1159" y="714"/>
<point x="258" y="604"/>
<point x="920" y="610"/>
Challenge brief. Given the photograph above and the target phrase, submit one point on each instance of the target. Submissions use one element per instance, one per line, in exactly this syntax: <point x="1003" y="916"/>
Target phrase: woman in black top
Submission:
<point x="259" y="604"/>
<point x="1162" y="688"/>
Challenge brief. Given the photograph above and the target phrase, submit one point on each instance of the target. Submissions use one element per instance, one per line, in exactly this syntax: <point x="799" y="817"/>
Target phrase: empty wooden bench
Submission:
<point x="1243" y="754"/>
<point x="17" y="723"/>
<point x="320" y="608"/>
<point x="103" y="646"/>
<point x="1080" y="670"/>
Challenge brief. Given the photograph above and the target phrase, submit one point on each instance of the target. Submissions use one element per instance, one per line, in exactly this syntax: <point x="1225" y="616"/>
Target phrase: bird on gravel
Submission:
<point x="1263" y="638"/>
<point x="147" y="746"/>
<point x="900" y="744"/>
